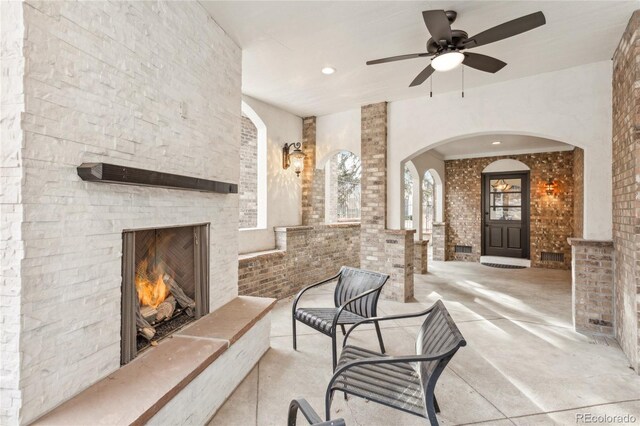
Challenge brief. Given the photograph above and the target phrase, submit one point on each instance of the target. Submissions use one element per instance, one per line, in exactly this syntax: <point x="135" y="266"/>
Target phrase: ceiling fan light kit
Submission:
<point x="446" y="45"/>
<point x="447" y="61"/>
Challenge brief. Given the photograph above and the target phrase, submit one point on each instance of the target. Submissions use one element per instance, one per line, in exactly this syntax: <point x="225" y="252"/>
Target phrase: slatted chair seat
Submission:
<point x="355" y="299"/>
<point x="395" y="385"/>
<point x="321" y="319"/>
<point x="407" y="382"/>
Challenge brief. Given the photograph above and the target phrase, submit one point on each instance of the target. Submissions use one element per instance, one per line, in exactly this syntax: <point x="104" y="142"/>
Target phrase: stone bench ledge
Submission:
<point x="134" y="393"/>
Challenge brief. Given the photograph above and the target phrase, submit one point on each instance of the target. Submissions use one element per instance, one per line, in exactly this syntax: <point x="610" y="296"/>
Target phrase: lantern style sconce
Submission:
<point x="293" y="158"/>
<point x="550" y="186"/>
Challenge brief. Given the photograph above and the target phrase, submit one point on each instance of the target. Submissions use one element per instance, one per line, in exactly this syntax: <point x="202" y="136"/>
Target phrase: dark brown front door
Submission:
<point x="505" y="203"/>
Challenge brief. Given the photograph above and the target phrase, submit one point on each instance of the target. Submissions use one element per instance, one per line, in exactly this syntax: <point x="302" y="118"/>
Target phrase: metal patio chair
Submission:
<point x="309" y="413"/>
<point x="355" y="298"/>
<point x="406" y="382"/>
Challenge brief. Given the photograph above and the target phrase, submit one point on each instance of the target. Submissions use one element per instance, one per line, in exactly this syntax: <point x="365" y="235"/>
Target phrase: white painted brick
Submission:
<point x="103" y="81"/>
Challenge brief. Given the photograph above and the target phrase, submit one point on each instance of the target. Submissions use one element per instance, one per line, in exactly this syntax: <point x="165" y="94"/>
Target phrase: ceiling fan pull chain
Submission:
<point x="431" y="87"/>
<point x="462" y="80"/>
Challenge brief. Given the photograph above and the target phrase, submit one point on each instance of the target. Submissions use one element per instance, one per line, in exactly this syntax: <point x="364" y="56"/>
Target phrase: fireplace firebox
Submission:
<point x="165" y="283"/>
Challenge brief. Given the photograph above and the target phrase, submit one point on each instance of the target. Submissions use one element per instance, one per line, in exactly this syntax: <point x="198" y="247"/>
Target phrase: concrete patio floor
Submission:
<point x="523" y="364"/>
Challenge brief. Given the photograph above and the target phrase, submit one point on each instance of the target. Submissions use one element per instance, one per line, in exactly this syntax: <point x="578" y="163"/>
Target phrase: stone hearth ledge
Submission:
<point x="134" y="393"/>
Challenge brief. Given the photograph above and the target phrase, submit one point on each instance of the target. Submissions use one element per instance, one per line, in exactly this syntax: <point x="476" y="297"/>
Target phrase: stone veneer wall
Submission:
<point x="551" y="217"/>
<point x="420" y="257"/>
<point x="626" y="178"/>
<point x="592" y="285"/>
<point x="304" y="255"/>
<point x="248" y="184"/>
<point x="578" y="192"/>
<point x="313" y="179"/>
<point x="12" y="212"/>
<point x="379" y="246"/>
<point x="439" y="240"/>
<point x="144" y="84"/>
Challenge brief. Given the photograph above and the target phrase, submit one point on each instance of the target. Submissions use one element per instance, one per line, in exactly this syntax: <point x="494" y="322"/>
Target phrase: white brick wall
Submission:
<point x="107" y="81"/>
<point x="11" y="247"/>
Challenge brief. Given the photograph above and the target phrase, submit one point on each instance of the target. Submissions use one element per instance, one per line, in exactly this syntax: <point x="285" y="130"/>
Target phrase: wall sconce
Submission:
<point x="550" y="186"/>
<point x="293" y="158"/>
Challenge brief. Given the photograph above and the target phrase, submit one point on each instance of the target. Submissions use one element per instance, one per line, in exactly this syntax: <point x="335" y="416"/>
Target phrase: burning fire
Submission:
<point x="150" y="286"/>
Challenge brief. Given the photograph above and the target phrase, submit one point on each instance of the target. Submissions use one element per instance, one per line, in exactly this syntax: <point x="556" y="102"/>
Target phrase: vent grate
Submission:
<point x="463" y="249"/>
<point x="547" y="256"/>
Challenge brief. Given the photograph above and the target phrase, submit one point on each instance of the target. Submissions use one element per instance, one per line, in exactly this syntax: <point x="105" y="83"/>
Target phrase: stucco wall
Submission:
<point x="571" y="106"/>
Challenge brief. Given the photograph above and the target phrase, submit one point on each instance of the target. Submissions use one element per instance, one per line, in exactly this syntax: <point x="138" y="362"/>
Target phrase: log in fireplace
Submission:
<point x="165" y="283"/>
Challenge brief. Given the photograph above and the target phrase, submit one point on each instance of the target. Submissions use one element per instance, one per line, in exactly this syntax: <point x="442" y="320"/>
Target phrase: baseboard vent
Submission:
<point x="546" y="256"/>
<point x="463" y="249"/>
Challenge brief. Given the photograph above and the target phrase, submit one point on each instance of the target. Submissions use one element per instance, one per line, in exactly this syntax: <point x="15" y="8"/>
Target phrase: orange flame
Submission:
<point x="150" y="285"/>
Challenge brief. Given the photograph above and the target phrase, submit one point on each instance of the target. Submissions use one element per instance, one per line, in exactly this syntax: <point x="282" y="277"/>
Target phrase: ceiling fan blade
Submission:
<point x="398" y="58"/>
<point x="483" y="62"/>
<point x="506" y="30"/>
<point x="423" y="76"/>
<point x="438" y="24"/>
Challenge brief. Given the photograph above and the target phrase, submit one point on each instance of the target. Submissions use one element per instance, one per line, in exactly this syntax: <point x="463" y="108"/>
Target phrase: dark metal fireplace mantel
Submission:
<point x="111" y="173"/>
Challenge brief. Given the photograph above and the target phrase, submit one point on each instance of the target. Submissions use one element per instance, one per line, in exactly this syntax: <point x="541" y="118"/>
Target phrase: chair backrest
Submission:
<point x="354" y="281"/>
<point x="438" y="335"/>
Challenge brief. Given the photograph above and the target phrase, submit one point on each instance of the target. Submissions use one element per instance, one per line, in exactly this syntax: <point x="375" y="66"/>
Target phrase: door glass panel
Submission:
<point x="505" y="185"/>
<point x="506" y="199"/>
<point x="505" y="213"/>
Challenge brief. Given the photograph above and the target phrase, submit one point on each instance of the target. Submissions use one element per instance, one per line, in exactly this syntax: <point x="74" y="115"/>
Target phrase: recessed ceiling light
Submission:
<point x="496" y="143"/>
<point x="328" y="70"/>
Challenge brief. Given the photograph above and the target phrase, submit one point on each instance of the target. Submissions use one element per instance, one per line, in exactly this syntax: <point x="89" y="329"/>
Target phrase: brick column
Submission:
<point x="592" y="285"/>
<point x="420" y="257"/>
<point x="381" y="250"/>
<point x="312" y="178"/>
<point x="439" y="240"/>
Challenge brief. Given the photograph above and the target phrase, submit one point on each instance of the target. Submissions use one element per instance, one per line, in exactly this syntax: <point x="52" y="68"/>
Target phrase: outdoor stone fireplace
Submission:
<point x="165" y="283"/>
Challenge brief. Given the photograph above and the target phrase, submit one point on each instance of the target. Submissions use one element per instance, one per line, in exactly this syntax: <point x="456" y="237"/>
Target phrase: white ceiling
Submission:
<point x="482" y="146"/>
<point x="285" y="45"/>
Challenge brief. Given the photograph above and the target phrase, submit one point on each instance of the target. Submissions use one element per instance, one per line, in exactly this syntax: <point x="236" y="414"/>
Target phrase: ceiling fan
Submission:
<point x="448" y="47"/>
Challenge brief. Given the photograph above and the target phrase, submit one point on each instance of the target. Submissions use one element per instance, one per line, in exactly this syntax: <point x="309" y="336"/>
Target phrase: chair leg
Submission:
<point x="293" y="326"/>
<point x="432" y="410"/>
<point x="343" y="330"/>
<point x="435" y="404"/>
<point x="327" y="404"/>
<point x="334" y="350"/>
<point x="380" y="337"/>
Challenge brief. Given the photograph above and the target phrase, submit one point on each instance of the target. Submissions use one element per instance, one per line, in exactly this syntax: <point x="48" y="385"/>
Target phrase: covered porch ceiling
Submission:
<point x="286" y="44"/>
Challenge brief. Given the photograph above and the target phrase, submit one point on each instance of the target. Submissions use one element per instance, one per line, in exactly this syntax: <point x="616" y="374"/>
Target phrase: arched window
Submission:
<point x="408" y="198"/>
<point x="428" y="203"/>
<point x="252" y="188"/>
<point x="343" y="174"/>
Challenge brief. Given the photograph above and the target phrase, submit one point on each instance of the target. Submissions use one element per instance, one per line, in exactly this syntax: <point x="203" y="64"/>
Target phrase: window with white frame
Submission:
<point x="252" y="187"/>
<point x="343" y="174"/>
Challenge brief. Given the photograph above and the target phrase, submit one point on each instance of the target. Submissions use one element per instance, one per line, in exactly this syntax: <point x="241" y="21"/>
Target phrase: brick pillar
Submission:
<point x="592" y="285"/>
<point x="626" y="187"/>
<point x="381" y="250"/>
<point x="312" y="178"/>
<point x="420" y="257"/>
<point x="439" y="240"/>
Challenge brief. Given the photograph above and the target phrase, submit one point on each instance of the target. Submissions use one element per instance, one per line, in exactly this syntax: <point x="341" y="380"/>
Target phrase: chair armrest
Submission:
<point x="353" y="299"/>
<point x="390" y="317"/>
<point x="301" y="292"/>
<point x="309" y="413"/>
